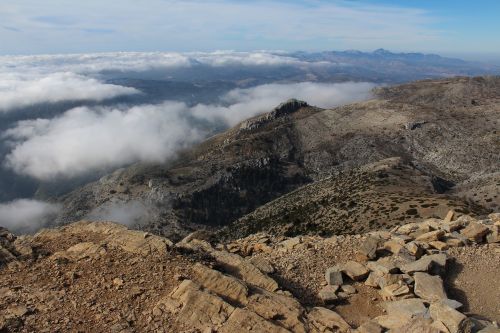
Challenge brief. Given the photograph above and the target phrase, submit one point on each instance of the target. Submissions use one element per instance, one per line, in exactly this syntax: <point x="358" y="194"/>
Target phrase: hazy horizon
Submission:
<point x="458" y="29"/>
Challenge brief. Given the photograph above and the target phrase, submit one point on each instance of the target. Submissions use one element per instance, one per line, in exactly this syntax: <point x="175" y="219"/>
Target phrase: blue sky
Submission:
<point x="469" y="29"/>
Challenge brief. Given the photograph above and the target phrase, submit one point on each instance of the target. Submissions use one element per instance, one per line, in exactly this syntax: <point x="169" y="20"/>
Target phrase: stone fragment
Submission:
<point x="451" y="303"/>
<point x="373" y="280"/>
<point x="438" y="245"/>
<point x="244" y="270"/>
<point x="370" y="327"/>
<point x="454" y="321"/>
<point x="324" y="320"/>
<point x="408" y="228"/>
<point x="392" y="322"/>
<point x="431" y="236"/>
<point x="333" y="276"/>
<point x="454" y="226"/>
<point x="434" y="263"/>
<point x="394" y="291"/>
<point x="195" y="308"/>
<point x="285" y="310"/>
<point x="225" y="286"/>
<point x="244" y="321"/>
<point x="393" y="246"/>
<point x="355" y="271"/>
<point x="414" y="249"/>
<point x="262" y="264"/>
<point x="449" y="216"/>
<point x="291" y="243"/>
<point x="429" y="287"/>
<point x="382" y="266"/>
<point x="495" y="217"/>
<point x="327" y="293"/>
<point x="454" y="242"/>
<point x="370" y="247"/>
<point x="475" y="232"/>
<point x="348" y="289"/>
<point x="407" y="307"/>
<point x="417" y="325"/>
<point x="494" y="235"/>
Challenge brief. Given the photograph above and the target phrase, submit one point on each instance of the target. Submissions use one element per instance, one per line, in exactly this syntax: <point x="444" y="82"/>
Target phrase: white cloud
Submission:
<point x="26" y="215"/>
<point x="85" y="139"/>
<point x="17" y="91"/>
<point x="129" y="213"/>
<point x="92" y="63"/>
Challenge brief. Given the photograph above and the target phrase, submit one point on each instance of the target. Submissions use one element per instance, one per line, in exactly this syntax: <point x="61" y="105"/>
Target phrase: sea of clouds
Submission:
<point x="95" y="137"/>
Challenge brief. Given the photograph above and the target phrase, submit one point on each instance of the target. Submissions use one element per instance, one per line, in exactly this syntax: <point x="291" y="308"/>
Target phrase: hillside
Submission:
<point x="444" y="133"/>
<point x="102" y="277"/>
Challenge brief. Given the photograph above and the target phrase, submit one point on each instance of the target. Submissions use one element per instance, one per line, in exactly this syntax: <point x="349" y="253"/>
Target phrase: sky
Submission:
<point x="468" y="29"/>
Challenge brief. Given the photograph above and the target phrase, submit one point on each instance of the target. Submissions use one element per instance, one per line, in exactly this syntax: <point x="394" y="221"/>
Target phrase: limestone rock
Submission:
<point x="333" y="276"/>
<point x="355" y="271"/>
<point x="454" y="321"/>
<point x="370" y="247"/>
<point x="475" y="232"/>
<point x="81" y="251"/>
<point x="328" y="293"/>
<point x="382" y="266"/>
<point x="395" y="291"/>
<point x="435" y="262"/>
<point x="195" y="308"/>
<point x="417" y="325"/>
<point x="494" y="235"/>
<point x="225" y="286"/>
<point x="369" y="327"/>
<point x="244" y="321"/>
<point x="449" y="217"/>
<point x="407" y="307"/>
<point x="285" y="310"/>
<point x="348" y="289"/>
<point x="324" y="320"/>
<point x="429" y="287"/>
<point x="431" y="236"/>
<point x="438" y="245"/>
<point x="262" y="264"/>
<point x="244" y="270"/>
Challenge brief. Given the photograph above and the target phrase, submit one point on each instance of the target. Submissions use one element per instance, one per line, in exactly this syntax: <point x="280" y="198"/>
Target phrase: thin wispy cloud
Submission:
<point x="214" y="24"/>
<point x="27" y="215"/>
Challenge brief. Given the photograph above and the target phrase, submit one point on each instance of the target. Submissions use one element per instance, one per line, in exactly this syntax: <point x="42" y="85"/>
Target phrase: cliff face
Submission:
<point x="444" y="134"/>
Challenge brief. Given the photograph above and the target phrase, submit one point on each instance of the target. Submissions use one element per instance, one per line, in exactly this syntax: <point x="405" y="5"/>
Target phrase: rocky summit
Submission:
<point x="439" y="275"/>
<point x="377" y="216"/>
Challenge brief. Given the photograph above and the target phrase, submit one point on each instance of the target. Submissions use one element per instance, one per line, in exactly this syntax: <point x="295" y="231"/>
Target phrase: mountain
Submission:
<point x="418" y="146"/>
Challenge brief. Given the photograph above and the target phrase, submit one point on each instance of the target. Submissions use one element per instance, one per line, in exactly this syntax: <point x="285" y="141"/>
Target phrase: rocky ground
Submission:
<point x="439" y="275"/>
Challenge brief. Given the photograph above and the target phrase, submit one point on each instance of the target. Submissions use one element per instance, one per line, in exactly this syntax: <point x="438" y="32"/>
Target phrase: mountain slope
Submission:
<point x="444" y="130"/>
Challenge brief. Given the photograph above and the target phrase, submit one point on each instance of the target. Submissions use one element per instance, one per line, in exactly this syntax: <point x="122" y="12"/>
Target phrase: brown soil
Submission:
<point x="473" y="279"/>
<point x="66" y="296"/>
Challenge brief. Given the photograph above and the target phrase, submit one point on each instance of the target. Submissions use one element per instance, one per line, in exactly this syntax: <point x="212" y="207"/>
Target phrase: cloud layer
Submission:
<point x="91" y="63"/>
<point x="86" y="139"/>
<point x="25" y="215"/>
<point x="17" y="91"/>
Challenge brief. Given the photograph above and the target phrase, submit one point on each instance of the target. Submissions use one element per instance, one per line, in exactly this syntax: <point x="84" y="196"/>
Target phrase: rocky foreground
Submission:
<point x="433" y="276"/>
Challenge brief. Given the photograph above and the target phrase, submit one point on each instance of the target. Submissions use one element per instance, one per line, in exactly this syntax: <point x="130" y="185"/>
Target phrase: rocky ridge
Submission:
<point x="104" y="277"/>
<point x="442" y="131"/>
